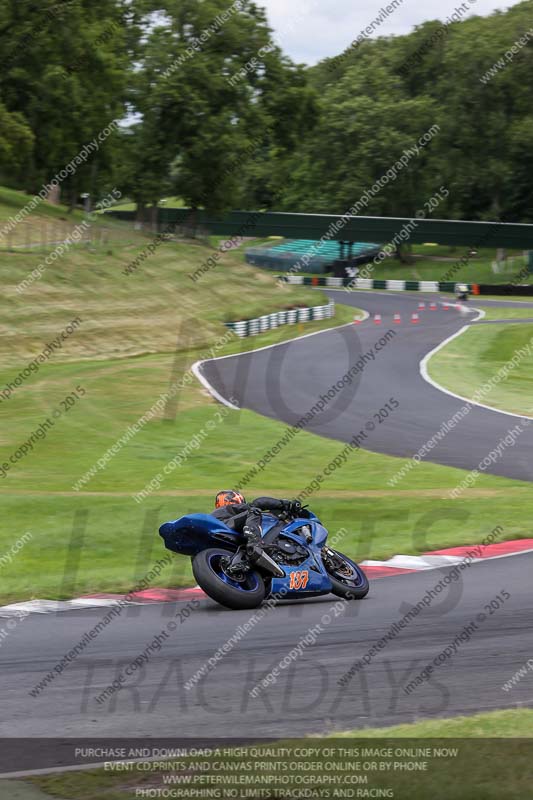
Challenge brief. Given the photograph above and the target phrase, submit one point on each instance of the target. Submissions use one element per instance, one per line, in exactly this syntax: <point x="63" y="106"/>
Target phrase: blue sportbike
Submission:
<point x="294" y="561"/>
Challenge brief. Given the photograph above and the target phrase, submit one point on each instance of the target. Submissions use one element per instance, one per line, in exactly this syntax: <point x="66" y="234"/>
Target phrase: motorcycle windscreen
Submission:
<point x="196" y="532"/>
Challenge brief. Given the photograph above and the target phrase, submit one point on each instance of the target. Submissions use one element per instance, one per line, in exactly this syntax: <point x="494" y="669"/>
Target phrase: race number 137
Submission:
<point x="299" y="579"/>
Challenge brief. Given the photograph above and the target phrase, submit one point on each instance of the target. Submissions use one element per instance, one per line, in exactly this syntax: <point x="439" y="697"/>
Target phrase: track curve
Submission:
<point x="284" y="382"/>
<point x="307" y="696"/>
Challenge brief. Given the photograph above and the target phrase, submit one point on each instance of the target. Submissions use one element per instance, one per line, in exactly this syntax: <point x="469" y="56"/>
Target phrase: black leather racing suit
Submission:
<point x="245" y="518"/>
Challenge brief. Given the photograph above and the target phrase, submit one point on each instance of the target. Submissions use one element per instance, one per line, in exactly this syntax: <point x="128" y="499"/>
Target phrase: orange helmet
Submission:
<point x="227" y="497"/>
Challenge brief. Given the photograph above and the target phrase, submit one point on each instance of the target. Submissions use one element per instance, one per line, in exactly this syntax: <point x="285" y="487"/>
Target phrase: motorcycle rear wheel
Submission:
<point x="208" y="569"/>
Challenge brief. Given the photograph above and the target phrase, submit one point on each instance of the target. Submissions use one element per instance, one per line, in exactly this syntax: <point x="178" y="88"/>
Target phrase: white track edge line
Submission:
<point x="197" y="366"/>
<point x="423" y="369"/>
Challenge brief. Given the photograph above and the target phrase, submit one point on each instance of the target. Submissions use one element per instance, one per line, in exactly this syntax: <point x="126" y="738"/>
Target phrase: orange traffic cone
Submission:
<point x="397" y="319"/>
<point x="377" y="319"/>
<point x="415" y="319"/>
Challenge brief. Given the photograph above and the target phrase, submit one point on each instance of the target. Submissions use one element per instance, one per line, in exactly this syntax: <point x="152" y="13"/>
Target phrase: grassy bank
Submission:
<point x="476" y="356"/>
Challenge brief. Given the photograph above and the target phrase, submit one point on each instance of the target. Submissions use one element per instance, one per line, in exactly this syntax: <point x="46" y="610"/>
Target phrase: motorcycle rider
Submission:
<point x="462" y="292"/>
<point x="245" y="518"/>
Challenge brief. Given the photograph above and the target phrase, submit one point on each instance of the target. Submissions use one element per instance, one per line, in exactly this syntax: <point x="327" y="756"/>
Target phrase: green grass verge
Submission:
<point x="515" y="298"/>
<point x="506" y="313"/>
<point x="103" y="517"/>
<point x="511" y="723"/>
<point x="12" y="201"/>
<point x="117" y="540"/>
<point x="473" y="358"/>
<point x="484" y="756"/>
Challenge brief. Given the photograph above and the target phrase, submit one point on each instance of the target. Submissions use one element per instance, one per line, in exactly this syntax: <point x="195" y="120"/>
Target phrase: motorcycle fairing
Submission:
<point x="193" y="533"/>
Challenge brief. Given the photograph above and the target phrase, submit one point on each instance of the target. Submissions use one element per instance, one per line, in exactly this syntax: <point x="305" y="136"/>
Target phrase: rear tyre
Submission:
<point x="236" y="592"/>
<point x="347" y="578"/>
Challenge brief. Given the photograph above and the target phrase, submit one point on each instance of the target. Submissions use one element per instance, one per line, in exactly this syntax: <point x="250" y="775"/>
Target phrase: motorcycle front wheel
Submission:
<point x="232" y="591"/>
<point x="347" y="578"/>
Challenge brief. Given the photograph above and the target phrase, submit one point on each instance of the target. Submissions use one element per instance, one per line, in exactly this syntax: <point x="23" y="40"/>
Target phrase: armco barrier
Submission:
<point x="368" y="283"/>
<point x="251" y="327"/>
<point x="519" y="289"/>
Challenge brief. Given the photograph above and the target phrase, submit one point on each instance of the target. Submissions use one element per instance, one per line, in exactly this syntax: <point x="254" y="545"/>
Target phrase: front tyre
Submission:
<point x="236" y="592"/>
<point x="347" y="578"/>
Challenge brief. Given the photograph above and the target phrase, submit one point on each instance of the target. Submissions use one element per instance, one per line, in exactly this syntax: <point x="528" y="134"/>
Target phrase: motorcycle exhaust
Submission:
<point x="267" y="563"/>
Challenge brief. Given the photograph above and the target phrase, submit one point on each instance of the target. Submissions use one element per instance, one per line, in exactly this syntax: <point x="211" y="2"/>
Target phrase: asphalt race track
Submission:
<point x="307" y="696"/>
<point x="285" y="382"/>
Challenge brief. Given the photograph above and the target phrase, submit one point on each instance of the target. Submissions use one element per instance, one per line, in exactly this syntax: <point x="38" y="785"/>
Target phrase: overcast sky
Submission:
<point x="308" y="30"/>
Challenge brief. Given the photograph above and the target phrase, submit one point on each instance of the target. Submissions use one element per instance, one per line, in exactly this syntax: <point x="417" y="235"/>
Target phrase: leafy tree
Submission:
<point x="367" y="122"/>
<point x="209" y="93"/>
<point x="16" y="145"/>
<point x="378" y="98"/>
<point x="65" y="70"/>
<point x="217" y="114"/>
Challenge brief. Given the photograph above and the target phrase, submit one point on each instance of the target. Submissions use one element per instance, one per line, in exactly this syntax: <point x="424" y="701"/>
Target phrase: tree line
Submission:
<point x="212" y="110"/>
